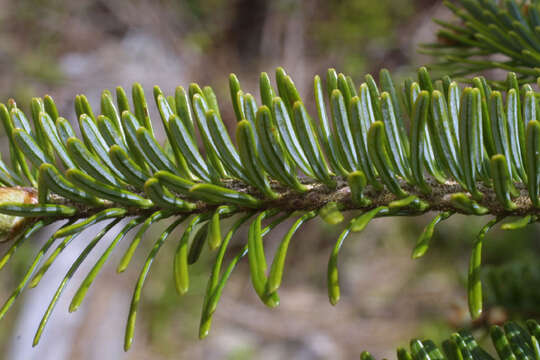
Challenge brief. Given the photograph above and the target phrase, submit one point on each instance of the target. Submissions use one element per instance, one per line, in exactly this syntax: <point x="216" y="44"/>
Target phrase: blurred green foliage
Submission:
<point x="353" y="33"/>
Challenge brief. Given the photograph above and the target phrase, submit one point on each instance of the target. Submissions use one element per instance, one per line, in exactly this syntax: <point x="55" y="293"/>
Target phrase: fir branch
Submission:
<point x="483" y="28"/>
<point x="510" y="342"/>
<point x="380" y="151"/>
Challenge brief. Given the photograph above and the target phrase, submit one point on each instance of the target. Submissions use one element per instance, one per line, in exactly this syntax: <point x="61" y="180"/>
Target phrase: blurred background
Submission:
<point x="63" y="48"/>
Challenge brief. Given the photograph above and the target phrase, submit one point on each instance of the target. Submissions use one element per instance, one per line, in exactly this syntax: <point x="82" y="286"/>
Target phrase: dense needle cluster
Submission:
<point x="482" y="28"/>
<point x="510" y="341"/>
